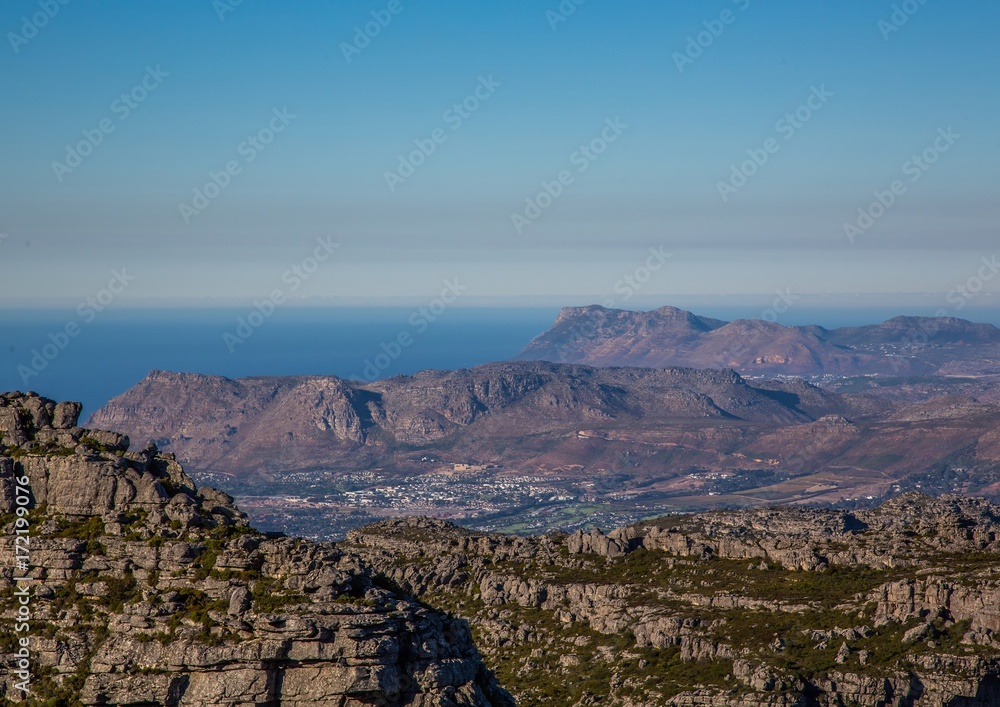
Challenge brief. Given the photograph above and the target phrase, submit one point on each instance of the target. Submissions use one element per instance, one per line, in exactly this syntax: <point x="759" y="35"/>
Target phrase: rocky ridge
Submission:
<point x="668" y="336"/>
<point x="217" y="422"/>
<point x="899" y="605"/>
<point x="261" y="425"/>
<point x="155" y="592"/>
<point x="616" y="443"/>
<point x="147" y="590"/>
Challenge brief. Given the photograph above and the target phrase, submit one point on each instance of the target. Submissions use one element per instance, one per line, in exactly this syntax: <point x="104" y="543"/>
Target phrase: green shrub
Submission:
<point x="121" y="591"/>
<point x="269" y="596"/>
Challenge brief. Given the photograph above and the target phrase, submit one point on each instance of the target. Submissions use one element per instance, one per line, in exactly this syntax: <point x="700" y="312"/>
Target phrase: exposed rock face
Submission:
<point x="899" y="605"/>
<point x="641" y="438"/>
<point x="151" y="591"/>
<point x="672" y="337"/>
<point x="281" y="424"/>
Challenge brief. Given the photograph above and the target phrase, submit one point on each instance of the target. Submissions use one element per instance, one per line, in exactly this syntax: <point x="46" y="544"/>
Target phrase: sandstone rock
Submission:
<point x="208" y="612"/>
<point x="66" y="415"/>
<point x="585" y="582"/>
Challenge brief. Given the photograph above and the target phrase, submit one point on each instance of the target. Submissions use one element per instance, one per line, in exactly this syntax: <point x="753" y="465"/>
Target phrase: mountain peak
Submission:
<point x="669" y="336"/>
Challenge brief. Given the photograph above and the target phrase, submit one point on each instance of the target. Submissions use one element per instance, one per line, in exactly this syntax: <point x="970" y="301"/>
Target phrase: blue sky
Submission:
<point x="554" y="84"/>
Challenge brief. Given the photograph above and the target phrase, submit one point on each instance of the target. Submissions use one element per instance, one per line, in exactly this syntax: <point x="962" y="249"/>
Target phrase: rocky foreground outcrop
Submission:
<point x="147" y="590"/>
<point x="899" y="605"/>
<point x="150" y="591"/>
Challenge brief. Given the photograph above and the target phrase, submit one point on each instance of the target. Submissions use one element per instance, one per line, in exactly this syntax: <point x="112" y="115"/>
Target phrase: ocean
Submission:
<point x="117" y="349"/>
<point x="61" y="355"/>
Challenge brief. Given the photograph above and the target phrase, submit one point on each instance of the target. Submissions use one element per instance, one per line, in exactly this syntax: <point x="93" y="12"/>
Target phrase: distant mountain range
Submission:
<point x="258" y="425"/>
<point x="519" y="440"/>
<point x="609" y="422"/>
<point x="668" y="336"/>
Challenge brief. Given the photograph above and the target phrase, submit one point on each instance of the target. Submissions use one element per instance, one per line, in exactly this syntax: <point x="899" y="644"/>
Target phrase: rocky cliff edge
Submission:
<point x="146" y="590"/>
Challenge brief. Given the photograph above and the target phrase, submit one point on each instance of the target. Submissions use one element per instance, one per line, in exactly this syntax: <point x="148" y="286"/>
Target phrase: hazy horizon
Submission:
<point x="344" y="234"/>
<point x="224" y="141"/>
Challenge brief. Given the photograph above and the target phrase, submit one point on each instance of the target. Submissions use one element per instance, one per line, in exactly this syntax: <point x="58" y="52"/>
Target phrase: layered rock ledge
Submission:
<point x="899" y="605"/>
<point x="150" y="591"/>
